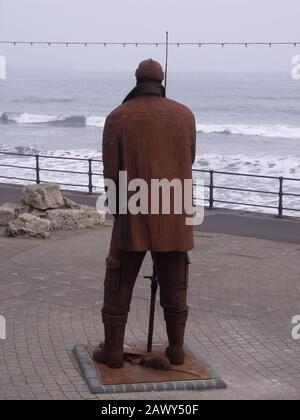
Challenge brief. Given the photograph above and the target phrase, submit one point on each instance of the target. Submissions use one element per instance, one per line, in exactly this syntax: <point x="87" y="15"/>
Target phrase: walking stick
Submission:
<point x="154" y="287"/>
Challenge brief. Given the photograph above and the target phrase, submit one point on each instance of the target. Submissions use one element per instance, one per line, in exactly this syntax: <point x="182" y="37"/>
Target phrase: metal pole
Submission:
<point x="211" y="190"/>
<point x="280" y="205"/>
<point x="167" y="59"/>
<point x="37" y="169"/>
<point x="90" y="174"/>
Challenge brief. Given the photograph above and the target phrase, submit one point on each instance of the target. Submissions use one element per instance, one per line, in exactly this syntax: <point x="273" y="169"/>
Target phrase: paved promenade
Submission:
<point x="243" y="295"/>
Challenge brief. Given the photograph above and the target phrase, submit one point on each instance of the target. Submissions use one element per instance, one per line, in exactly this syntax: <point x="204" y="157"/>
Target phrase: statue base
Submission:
<point x="195" y="374"/>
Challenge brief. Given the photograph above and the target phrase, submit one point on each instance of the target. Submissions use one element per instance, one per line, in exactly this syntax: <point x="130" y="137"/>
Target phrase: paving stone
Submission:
<point x="240" y="316"/>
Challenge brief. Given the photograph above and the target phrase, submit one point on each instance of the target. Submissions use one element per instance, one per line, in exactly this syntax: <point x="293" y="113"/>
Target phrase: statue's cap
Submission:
<point x="150" y="69"/>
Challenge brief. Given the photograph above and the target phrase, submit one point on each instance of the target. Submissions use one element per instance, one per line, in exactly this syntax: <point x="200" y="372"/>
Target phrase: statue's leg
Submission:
<point x="122" y="269"/>
<point x="172" y="270"/>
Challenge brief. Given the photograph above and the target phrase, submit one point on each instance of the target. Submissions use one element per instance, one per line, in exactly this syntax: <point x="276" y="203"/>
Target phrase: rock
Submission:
<point x="43" y="196"/>
<point x="79" y="218"/>
<point x="28" y="225"/>
<point x="7" y="213"/>
<point x="42" y="209"/>
<point x="21" y="208"/>
<point x="71" y="204"/>
<point x="37" y="213"/>
<point x="10" y="211"/>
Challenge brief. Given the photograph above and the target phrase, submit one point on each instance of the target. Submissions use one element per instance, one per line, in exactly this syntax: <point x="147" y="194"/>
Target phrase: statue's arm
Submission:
<point x="194" y="138"/>
<point x="111" y="160"/>
<point x="111" y="150"/>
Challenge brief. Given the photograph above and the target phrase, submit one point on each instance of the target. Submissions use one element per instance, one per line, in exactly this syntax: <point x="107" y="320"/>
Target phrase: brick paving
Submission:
<point x="243" y="294"/>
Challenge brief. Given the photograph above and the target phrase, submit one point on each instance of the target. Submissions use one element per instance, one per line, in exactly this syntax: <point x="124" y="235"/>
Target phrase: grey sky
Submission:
<point x="145" y="20"/>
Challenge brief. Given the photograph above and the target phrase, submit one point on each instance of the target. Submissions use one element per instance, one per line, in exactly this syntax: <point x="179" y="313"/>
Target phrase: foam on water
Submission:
<point x="41" y="100"/>
<point x="266" y="130"/>
<point x="271" y="165"/>
<point x="95" y="121"/>
<point x="30" y="119"/>
<point x="258" y="130"/>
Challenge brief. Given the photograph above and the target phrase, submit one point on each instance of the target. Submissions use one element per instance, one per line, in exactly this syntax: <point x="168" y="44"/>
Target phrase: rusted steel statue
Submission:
<point x="149" y="137"/>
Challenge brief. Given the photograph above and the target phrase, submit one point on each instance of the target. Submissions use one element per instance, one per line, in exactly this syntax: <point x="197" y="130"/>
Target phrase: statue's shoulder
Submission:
<point x="179" y="107"/>
<point x="116" y="113"/>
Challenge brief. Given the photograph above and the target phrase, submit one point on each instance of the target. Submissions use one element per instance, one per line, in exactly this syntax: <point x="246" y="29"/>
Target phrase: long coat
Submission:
<point x="150" y="137"/>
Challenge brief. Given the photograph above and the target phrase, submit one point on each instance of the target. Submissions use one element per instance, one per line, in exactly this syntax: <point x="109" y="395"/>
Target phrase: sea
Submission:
<point x="247" y="123"/>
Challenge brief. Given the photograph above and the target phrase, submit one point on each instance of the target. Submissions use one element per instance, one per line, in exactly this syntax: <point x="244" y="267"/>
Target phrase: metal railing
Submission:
<point x="280" y="193"/>
<point x="39" y="169"/>
<point x="210" y="186"/>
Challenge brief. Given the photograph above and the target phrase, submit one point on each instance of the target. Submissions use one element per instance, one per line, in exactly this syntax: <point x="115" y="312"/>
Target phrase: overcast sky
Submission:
<point x="145" y="20"/>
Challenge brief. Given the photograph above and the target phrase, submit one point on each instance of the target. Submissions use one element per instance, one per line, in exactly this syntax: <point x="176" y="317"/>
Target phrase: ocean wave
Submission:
<point x="27" y="119"/>
<point x="95" y="121"/>
<point x="258" y="130"/>
<point x="42" y="100"/>
<point x="272" y="98"/>
<point x="259" y="164"/>
<point x="19" y="149"/>
<point x="29" y="150"/>
<point x="59" y="120"/>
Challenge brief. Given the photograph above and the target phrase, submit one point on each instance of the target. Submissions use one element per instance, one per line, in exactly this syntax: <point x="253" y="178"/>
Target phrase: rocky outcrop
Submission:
<point x="71" y="204"/>
<point x="43" y="197"/>
<point x="81" y="217"/>
<point x="29" y="226"/>
<point x="43" y="209"/>
<point x="7" y="213"/>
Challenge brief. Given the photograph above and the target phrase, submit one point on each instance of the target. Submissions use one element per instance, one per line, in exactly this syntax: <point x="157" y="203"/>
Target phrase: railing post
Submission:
<point x="280" y="205"/>
<point x="37" y="169"/>
<point x="90" y="173"/>
<point x="211" y="190"/>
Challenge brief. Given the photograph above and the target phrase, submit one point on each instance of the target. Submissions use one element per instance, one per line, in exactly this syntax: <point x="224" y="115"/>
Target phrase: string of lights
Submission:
<point x="155" y="44"/>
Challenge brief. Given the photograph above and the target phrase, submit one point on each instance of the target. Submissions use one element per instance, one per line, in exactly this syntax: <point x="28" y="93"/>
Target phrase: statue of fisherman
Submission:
<point x="151" y="138"/>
